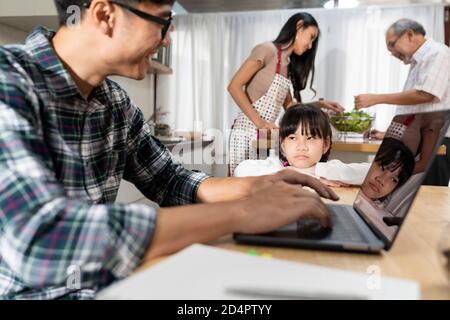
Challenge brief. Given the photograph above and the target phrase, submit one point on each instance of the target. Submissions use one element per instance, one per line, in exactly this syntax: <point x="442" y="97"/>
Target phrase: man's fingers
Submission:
<point x="321" y="212"/>
<point x="292" y="177"/>
<point x="307" y="202"/>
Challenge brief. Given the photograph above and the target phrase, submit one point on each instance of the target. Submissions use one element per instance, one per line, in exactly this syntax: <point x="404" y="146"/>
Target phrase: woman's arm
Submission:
<point x="289" y="102"/>
<point x="429" y="138"/>
<point x="237" y="92"/>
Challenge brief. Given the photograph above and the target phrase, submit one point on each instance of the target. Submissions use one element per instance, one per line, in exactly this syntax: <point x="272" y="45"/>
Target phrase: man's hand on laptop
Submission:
<point x="297" y="179"/>
<point x="269" y="202"/>
<point x="278" y="205"/>
<point x="280" y="200"/>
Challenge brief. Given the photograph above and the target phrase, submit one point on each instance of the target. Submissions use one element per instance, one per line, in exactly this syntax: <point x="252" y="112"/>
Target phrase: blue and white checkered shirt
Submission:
<point x="62" y="158"/>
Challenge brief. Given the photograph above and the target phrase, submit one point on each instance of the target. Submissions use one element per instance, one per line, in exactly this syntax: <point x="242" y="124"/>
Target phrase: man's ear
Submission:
<point x="410" y="34"/>
<point x="103" y="15"/>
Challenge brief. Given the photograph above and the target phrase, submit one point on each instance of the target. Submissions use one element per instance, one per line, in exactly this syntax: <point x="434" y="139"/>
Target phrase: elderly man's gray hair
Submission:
<point x="401" y="25"/>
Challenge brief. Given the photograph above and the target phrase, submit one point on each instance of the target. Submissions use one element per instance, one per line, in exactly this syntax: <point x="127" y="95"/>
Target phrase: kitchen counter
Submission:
<point x="365" y="146"/>
<point x="348" y="150"/>
<point x="345" y="145"/>
<point x="416" y="253"/>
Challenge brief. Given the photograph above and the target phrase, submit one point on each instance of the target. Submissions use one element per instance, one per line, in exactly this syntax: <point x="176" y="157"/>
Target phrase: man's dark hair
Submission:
<point x="63" y="5"/>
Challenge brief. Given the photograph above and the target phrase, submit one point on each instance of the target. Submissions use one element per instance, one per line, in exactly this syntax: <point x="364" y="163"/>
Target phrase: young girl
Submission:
<point x="261" y="87"/>
<point x="392" y="167"/>
<point x="305" y="136"/>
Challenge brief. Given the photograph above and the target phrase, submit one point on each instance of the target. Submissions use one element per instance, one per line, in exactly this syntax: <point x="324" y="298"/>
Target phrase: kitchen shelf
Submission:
<point x="159" y="68"/>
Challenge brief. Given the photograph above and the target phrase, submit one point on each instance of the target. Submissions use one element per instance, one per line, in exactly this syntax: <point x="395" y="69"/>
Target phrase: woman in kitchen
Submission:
<point x="261" y="87"/>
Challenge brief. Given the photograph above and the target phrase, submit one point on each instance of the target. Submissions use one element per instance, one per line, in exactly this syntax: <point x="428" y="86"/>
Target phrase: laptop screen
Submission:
<point x="398" y="170"/>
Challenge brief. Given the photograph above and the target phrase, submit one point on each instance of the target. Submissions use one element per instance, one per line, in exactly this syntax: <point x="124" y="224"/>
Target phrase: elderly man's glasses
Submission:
<point x="166" y="23"/>
<point x="391" y="44"/>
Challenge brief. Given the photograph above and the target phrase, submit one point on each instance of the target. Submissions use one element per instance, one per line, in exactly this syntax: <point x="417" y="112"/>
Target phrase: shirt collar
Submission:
<point x="420" y="53"/>
<point x="57" y="78"/>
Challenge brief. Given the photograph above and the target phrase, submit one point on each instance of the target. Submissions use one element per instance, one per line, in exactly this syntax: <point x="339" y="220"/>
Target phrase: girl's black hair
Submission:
<point x="312" y="120"/>
<point x="300" y="67"/>
<point x="394" y="154"/>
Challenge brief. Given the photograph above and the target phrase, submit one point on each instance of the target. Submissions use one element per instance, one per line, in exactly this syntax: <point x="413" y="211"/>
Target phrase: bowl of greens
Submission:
<point x="356" y="121"/>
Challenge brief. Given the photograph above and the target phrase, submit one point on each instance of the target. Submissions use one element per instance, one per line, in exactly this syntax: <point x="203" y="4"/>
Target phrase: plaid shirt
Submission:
<point x="62" y="158"/>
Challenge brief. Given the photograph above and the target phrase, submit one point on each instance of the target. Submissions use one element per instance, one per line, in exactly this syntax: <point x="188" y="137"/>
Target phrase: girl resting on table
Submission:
<point x="261" y="87"/>
<point x="305" y="136"/>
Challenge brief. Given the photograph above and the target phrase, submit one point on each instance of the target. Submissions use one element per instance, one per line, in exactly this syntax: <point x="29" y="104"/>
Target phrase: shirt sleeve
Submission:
<point x="350" y="173"/>
<point x="249" y="168"/>
<point x="432" y="78"/>
<point x="152" y="169"/>
<point x="262" y="52"/>
<point x="44" y="233"/>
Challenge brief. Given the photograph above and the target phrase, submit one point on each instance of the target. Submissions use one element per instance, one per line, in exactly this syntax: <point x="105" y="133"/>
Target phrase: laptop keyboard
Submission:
<point x="344" y="226"/>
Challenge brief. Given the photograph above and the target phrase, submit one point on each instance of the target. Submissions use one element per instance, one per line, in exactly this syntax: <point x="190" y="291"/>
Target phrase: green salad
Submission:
<point x="354" y="121"/>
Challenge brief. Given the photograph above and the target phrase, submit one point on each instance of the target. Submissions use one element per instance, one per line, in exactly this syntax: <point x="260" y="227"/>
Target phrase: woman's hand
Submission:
<point x="333" y="183"/>
<point x="332" y="106"/>
<point x="374" y="134"/>
<point x="263" y="124"/>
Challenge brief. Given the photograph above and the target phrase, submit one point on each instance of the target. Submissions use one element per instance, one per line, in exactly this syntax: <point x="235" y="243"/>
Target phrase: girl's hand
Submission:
<point x="335" y="184"/>
<point x="266" y="125"/>
<point x="332" y="106"/>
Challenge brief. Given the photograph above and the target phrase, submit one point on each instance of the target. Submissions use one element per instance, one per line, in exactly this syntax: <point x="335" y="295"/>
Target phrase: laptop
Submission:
<point x="385" y="197"/>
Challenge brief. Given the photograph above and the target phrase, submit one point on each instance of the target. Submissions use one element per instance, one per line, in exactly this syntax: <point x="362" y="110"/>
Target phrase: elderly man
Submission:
<point x="427" y="87"/>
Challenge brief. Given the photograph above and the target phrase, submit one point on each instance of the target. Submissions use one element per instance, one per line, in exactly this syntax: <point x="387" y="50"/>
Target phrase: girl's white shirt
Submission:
<point x="333" y="170"/>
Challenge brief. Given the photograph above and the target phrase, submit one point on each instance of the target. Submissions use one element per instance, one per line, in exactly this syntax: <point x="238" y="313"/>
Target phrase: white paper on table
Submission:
<point x="209" y="273"/>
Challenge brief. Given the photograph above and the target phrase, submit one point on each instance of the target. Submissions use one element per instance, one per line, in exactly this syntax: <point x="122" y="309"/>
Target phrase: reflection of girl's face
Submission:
<point x="380" y="181"/>
<point x="303" y="150"/>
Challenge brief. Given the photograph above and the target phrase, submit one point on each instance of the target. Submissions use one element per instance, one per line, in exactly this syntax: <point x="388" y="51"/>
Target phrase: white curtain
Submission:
<point x="207" y="49"/>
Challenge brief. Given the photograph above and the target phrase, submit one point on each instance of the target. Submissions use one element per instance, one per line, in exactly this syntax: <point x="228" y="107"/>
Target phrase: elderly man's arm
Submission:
<point x="409" y="97"/>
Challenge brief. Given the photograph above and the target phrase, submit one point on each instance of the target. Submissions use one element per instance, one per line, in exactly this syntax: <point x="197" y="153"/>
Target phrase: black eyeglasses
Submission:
<point x="391" y="44"/>
<point x="144" y="15"/>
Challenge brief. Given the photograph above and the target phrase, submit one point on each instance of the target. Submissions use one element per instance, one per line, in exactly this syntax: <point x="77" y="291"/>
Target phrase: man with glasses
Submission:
<point x="68" y="135"/>
<point x="427" y="87"/>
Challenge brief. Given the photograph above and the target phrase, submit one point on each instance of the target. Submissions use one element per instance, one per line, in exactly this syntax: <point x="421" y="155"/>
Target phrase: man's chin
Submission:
<point x="406" y="61"/>
<point x="138" y="75"/>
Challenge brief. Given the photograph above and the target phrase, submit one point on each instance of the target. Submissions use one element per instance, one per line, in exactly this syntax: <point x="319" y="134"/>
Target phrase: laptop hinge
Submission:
<point x="375" y="231"/>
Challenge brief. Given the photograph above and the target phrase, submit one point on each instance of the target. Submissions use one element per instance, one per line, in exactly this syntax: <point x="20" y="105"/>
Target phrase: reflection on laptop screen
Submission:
<point x="399" y="168"/>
